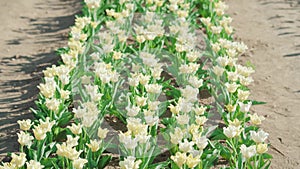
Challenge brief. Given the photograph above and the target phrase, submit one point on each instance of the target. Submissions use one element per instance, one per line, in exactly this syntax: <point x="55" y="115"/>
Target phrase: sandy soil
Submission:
<point x="31" y="30"/>
<point x="271" y="29"/>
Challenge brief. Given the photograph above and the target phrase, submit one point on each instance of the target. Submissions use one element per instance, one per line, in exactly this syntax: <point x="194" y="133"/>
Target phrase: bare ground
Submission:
<point x="30" y="32"/>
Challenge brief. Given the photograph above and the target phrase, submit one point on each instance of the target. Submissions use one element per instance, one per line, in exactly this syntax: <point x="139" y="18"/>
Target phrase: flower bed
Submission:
<point x="142" y="64"/>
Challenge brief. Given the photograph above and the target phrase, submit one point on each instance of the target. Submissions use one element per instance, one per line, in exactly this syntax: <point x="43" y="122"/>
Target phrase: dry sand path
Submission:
<point x="271" y="29"/>
<point x="30" y="32"/>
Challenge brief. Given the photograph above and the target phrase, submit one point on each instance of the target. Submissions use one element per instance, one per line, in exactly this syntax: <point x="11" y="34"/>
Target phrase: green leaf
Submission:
<point x="159" y="165"/>
<point x="65" y="119"/>
<point x="254" y="102"/>
<point x="218" y="135"/>
<point x="225" y="152"/>
<point x="267" y="156"/>
<point x="267" y="165"/>
<point x="104" y="160"/>
<point x="174" y="165"/>
<point x="49" y="162"/>
<point x="168" y="121"/>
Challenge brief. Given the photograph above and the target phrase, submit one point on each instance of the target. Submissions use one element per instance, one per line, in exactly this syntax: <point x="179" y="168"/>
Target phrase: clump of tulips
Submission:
<point x="143" y="64"/>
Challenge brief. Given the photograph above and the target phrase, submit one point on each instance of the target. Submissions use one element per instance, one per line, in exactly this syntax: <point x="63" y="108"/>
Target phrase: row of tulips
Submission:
<point x="245" y="143"/>
<point x="142" y="64"/>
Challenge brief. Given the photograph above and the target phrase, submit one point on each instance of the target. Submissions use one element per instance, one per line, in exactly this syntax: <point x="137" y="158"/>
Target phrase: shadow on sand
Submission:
<point x="22" y="93"/>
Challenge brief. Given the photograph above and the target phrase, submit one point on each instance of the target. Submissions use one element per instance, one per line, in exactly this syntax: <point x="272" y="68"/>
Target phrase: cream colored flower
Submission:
<point x="132" y="111"/>
<point x="67" y="151"/>
<point x="117" y="55"/>
<point x="243" y="95"/>
<point x="218" y="70"/>
<point x="262" y="148"/>
<point x="156" y="71"/>
<point x="130" y="143"/>
<point x="143" y="138"/>
<point x="244" y="71"/>
<point x="191" y="161"/>
<point x="79" y="163"/>
<point x="18" y="160"/>
<point x="72" y="141"/>
<point x="231" y="52"/>
<point x="92" y="4"/>
<point x="148" y="59"/>
<point x="182" y="119"/>
<point x="94" y="145"/>
<point x="46" y="125"/>
<point x="216" y="29"/>
<point x="195" y="82"/>
<point x="185" y="69"/>
<point x="215" y="47"/>
<point x="65" y="94"/>
<point x="235" y="122"/>
<point x="39" y="133"/>
<point x="248" y="152"/>
<point x="153" y="106"/>
<point x="34" y="165"/>
<point x="153" y="88"/>
<point x="194" y="129"/>
<point x="245" y="107"/>
<point x="232" y="61"/>
<point x="148" y="112"/>
<point x="232" y="131"/>
<point x="141" y="101"/>
<point x="193" y="56"/>
<point x="200" y="120"/>
<point x="179" y="158"/>
<point x="135" y="126"/>
<point x="246" y="81"/>
<point x="52" y="104"/>
<point x="133" y="82"/>
<point x="65" y="79"/>
<point x="130" y="6"/>
<point x="201" y="142"/>
<point x="231" y="87"/>
<point x="199" y="110"/>
<point x="255" y="119"/>
<point x="130" y="162"/>
<point x="25" y="124"/>
<point x="140" y="38"/>
<point x="190" y="93"/>
<point x="182" y="13"/>
<point x="174" y="109"/>
<point x="89" y="119"/>
<point x="7" y="166"/>
<point x="151" y="120"/>
<point x="259" y="136"/>
<point x="25" y="139"/>
<point x="177" y="136"/>
<point x="75" y="129"/>
<point x="47" y="89"/>
<point x="232" y="76"/>
<point x="184" y="105"/>
<point x="230" y="108"/>
<point x="222" y="61"/>
<point x="206" y="21"/>
<point x="102" y="133"/>
<point x="220" y="8"/>
<point x="186" y="146"/>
